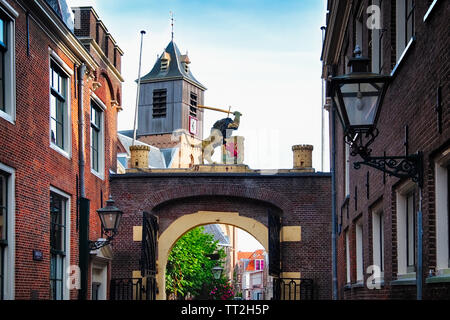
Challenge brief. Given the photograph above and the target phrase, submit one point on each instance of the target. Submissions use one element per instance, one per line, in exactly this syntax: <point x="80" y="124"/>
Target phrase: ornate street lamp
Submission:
<point x="217" y="272"/>
<point x="358" y="97"/>
<point x="110" y="218"/>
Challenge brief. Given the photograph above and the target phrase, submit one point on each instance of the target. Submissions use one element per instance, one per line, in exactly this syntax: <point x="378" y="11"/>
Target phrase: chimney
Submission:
<point x="303" y="157"/>
<point x="139" y="157"/>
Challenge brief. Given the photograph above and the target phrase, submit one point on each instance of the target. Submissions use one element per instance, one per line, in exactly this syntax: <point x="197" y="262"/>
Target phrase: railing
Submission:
<point x="127" y="289"/>
<point x="293" y="289"/>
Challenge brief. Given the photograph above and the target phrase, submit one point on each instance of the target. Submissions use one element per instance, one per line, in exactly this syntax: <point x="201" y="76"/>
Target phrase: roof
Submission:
<point x="218" y="234"/>
<point x="155" y="157"/>
<point x="176" y="68"/>
<point x="62" y="10"/>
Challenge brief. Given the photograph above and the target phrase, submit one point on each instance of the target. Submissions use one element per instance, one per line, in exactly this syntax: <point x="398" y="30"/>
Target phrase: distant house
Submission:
<point x="252" y="278"/>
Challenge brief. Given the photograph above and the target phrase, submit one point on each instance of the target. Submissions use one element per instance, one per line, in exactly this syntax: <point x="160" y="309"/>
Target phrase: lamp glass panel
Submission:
<point x="361" y="102"/>
<point x="109" y="220"/>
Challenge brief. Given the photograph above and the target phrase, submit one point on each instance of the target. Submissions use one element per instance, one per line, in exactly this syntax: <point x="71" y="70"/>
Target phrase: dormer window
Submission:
<point x="185" y="62"/>
<point x="165" y="61"/>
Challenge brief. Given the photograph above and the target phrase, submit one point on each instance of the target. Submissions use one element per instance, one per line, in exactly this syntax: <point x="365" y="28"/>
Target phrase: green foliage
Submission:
<point x="189" y="270"/>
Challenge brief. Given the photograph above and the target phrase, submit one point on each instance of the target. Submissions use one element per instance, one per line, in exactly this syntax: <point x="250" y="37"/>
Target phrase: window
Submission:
<point x="347" y="256"/>
<point x="59" y="111"/>
<point x="259" y="265"/>
<point x="193" y="105"/>
<point x="376" y="44"/>
<point x="57" y="245"/>
<point x="347" y="170"/>
<point x="359" y="251"/>
<point x="160" y="103"/>
<point x="406" y="229"/>
<point x="3" y="49"/>
<point x="96" y="137"/>
<point x="442" y="174"/>
<point x="378" y="238"/>
<point x="3" y="230"/>
<point x="7" y="67"/>
<point x="405" y="25"/>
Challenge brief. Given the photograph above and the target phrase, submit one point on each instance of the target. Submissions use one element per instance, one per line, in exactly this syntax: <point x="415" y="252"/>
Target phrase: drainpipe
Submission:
<point x="82" y="162"/>
<point x="333" y="201"/>
<point x="84" y="203"/>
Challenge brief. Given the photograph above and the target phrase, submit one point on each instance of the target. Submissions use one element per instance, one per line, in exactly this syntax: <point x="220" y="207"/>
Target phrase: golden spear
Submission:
<point x="216" y="109"/>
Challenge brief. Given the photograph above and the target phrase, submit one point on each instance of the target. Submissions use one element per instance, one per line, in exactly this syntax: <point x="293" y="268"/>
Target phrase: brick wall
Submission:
<point x="25" y="146"/>
<point x="411" y="101"/>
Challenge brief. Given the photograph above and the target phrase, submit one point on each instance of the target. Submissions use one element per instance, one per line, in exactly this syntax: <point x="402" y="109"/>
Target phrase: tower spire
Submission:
<point x="172" y="20"/>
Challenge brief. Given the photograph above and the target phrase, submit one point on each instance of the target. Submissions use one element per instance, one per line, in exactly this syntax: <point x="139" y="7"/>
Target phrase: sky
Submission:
<point x="261" y="57"/>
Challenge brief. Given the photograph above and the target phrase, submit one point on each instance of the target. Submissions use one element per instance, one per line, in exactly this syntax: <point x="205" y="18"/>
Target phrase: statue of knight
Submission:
<point x="221" y="130"/>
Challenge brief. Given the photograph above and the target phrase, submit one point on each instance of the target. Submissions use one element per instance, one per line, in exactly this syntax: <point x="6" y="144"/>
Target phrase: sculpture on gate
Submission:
<point x="220" y="132"/>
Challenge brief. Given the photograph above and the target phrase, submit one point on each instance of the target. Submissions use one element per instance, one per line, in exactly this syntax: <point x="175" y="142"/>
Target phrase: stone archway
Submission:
<point x="179" y="227"/>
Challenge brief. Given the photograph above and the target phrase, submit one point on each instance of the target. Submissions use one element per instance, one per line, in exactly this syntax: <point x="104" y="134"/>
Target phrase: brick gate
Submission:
<point x="184" y="200"/>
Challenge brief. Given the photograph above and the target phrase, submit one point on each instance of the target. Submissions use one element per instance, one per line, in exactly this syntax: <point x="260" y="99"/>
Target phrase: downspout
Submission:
<point x="333" y="201"/>
<point x="82" y="162"/>
<point x="84" y="204"/>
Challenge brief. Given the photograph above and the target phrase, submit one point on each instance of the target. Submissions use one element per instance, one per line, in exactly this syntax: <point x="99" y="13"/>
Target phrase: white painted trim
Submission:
<point x="10" y="252"/>
<point x="427" y="14"/>
<point x="67" y="151"/>
<point x="101" y="173"/>
<point x="104" y="280"/>
<point x="10" y="72"/>
<point x="442" y="232"/>
<point x="347" y="257"/>
<point x="359" y="250"/>
<point x="99" y="101"/>
<point x="377" y="240"/>
<point x="9" y="8"/>
<point x="67" y="264"/>
<point x="409" y="45"/>
<point x="60" y="62"/>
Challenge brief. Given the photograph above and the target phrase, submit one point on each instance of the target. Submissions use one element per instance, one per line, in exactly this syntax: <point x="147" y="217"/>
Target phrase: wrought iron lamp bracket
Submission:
<point x="95" y="245"/>
<point x="409" y="166"/>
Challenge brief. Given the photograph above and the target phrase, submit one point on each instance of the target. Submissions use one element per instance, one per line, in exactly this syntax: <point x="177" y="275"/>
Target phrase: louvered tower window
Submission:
<point x="193" y="105"/>
<point x="160" y="103"/>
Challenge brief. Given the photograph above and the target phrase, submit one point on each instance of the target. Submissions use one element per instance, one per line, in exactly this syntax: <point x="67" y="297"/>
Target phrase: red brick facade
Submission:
<point x="300" y="199"/>
<point x="411" y="101"/>
<point x="25" y="144"/>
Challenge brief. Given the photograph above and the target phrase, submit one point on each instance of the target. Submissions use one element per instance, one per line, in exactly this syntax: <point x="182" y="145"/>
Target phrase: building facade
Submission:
<point x="58" y="130"/>
<point x="377" y="214"/>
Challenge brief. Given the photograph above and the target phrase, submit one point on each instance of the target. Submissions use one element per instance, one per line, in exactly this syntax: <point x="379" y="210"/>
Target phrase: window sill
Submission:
<point x="405" y="280"/>
<point x="348" y="286"/>
<point x="7" y="117"/>
<point x="359" y="284"/>
<point x="403" y="56"/>
<point x="97" y="174"/>
<point x="442" y="276"/>
<point x="60" y="151"/>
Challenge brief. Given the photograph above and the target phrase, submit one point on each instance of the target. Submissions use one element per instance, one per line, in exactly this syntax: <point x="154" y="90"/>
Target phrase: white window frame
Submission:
<point x="359" y="234"/>
<point x="347" y="170"/>
<point x="378" y="243"/>
<point x="377" y="42"/>
<point x="430" y="9"/>
<point x="442" y="165"/>
<point x="10" y="64"/>
<point x="66" y="151"/>
<point x="403" y="45"/>
<point x="10" y="251"/>
<point x="402" y="194"/>
<point x="67" y="264"/>
<point x="101" y="152"/>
